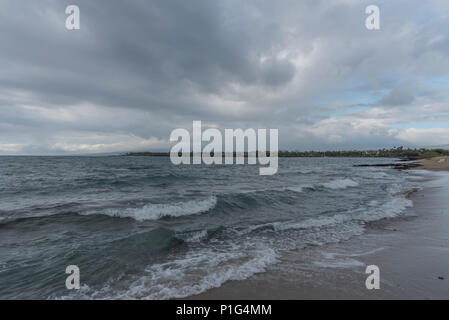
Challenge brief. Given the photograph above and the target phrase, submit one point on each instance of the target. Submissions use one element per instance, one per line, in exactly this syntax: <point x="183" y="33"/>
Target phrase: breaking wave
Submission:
<point x="191" y="274"/>
<point x="160" y="210"/>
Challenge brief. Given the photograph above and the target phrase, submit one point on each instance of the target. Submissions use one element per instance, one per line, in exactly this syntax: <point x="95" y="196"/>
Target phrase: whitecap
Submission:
<point x="340" y="184"/>
<point x="155" y="211"/>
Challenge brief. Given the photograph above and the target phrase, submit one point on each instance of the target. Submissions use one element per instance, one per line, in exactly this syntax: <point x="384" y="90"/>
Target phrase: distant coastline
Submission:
<point x="400" y="152"/>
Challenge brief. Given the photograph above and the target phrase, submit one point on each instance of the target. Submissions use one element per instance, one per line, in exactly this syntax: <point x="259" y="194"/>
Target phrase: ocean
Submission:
<point x="143" y="228"/>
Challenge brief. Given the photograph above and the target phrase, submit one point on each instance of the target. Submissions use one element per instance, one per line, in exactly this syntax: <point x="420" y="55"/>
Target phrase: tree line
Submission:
<point x="396" y="152"/>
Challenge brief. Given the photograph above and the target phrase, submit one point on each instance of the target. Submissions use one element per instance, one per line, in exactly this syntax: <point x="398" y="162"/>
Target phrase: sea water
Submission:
<point x="143" y="228"/>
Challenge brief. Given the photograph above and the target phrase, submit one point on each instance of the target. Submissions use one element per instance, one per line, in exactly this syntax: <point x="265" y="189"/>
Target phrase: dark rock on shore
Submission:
<point x="398" y="166"/>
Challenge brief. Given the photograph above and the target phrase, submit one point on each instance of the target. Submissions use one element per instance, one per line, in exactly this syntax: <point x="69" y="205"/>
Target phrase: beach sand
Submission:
<point x="412" y="253"/>
<point x="435" y="164"/>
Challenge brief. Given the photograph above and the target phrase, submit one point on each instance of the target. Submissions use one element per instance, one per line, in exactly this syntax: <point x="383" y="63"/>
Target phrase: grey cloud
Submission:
<point x="145" y="67"/>
<point x="277" y="72"/>
<point x="399" y="96"/>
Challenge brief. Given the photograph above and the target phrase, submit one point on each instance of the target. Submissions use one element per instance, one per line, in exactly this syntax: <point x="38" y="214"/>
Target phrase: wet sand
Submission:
<point x="412" y="253"/>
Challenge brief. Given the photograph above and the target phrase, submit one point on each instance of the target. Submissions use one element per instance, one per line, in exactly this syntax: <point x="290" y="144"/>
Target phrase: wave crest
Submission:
<point x="159" y="210"/>
<point x="334" y="184"/>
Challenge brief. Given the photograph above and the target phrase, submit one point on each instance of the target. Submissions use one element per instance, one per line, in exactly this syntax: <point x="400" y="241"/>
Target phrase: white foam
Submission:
<point x="373" y="212"/>
<point x="312" y="223"/>
<point x="159" y="210"/>
<point x="191" y="274"/>
<point x="393" y="208"/>
<point x="343" y="260"/>
<point x="334" y="184"/>
<point x="340" y="184"/>
<point x="194" y="236"/>
<point x="219" y="273"/>
<point x="342" y="263"/>
<point x="366" y="253"/>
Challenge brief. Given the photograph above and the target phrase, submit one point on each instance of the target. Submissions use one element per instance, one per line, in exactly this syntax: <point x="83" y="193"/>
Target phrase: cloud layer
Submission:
<point x="138" y="69"/>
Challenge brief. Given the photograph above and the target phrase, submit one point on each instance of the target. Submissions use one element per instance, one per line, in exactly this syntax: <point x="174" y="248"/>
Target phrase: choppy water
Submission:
<point x="140" y="227"/>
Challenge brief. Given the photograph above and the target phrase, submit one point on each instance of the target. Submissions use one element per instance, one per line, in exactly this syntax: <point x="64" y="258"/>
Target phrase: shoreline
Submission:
<point x="411" y="251"/>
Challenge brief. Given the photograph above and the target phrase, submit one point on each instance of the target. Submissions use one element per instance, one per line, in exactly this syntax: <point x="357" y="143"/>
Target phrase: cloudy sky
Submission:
<point x="138" y="69"/>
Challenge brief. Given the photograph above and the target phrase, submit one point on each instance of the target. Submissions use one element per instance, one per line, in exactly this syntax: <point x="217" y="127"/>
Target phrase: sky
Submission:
<point x="138" y="69"/>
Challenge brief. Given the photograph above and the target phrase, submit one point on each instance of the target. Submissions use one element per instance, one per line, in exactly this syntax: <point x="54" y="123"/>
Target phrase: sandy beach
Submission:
<point x="434" y="164"/>
<point x="412" y="253"/>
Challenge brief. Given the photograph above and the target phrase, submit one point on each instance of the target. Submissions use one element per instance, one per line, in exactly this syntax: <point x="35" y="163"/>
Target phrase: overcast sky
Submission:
<point x="138" y="69"/>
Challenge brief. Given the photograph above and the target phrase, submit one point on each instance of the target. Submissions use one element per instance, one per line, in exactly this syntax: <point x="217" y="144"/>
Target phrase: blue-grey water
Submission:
<point x="142" y="228"/>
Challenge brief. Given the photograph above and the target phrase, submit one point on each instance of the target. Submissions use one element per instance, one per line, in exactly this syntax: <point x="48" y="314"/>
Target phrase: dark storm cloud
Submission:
<point x="136" y="55"/>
